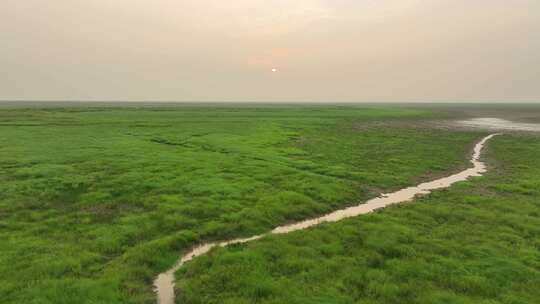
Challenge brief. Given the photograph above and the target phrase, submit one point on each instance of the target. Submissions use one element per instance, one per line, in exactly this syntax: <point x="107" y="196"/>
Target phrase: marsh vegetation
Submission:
<point x="475" y="243"/>
<point x="95" y="202"/>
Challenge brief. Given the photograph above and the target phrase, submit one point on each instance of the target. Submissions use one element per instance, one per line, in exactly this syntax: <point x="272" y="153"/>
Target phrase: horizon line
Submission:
<point x="267" y="102"/>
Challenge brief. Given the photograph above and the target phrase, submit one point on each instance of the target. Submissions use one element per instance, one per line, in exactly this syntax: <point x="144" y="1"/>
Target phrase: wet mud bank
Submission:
<point x="498" y="124"/>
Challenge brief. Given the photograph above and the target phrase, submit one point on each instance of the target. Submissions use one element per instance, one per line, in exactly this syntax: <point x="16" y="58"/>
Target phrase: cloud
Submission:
<point x="218" y="50"/>
<point x="261" y="18"/>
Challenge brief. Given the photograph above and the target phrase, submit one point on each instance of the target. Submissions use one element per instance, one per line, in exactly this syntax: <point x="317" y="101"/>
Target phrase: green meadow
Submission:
<point x="96" y="201"/>
<point x="477" y="242"/>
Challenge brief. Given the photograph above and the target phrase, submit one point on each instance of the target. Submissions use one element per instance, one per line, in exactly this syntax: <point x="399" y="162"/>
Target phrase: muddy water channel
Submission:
<point x="164" y="284"/>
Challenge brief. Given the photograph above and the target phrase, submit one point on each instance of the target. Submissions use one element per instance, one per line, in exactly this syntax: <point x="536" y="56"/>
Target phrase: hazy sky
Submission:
<point x="323" y="50"/>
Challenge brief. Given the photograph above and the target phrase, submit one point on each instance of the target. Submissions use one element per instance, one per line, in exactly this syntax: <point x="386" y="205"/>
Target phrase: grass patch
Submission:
<point x="477" y="242"/>
<point x="95" y="202"/>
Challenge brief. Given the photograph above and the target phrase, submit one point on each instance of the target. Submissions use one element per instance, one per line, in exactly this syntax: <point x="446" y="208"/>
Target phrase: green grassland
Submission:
<point x="476" y="242"/>
<point x="94" y="202"/>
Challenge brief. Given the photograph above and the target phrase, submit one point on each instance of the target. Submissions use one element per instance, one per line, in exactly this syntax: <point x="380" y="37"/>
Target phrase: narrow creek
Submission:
<point x="164" y="283"/>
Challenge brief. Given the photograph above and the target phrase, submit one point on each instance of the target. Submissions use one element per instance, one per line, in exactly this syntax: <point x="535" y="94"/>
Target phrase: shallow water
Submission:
<point x="164" y="284"/>
<point x="499" y="124"/>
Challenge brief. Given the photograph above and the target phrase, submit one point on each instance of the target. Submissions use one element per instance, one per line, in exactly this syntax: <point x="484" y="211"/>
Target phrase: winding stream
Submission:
<point x="164" y="283"/>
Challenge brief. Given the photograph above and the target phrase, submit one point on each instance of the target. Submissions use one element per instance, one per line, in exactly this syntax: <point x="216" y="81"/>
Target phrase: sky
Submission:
<point x="271" y="50"/>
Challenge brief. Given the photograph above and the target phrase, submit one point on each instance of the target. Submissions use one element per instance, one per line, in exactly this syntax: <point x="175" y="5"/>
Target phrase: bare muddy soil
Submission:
<point x="499" y="124"/>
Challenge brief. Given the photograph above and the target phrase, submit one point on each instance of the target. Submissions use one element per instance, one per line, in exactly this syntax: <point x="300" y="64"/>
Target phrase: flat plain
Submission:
<point x="96" y="201"/>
